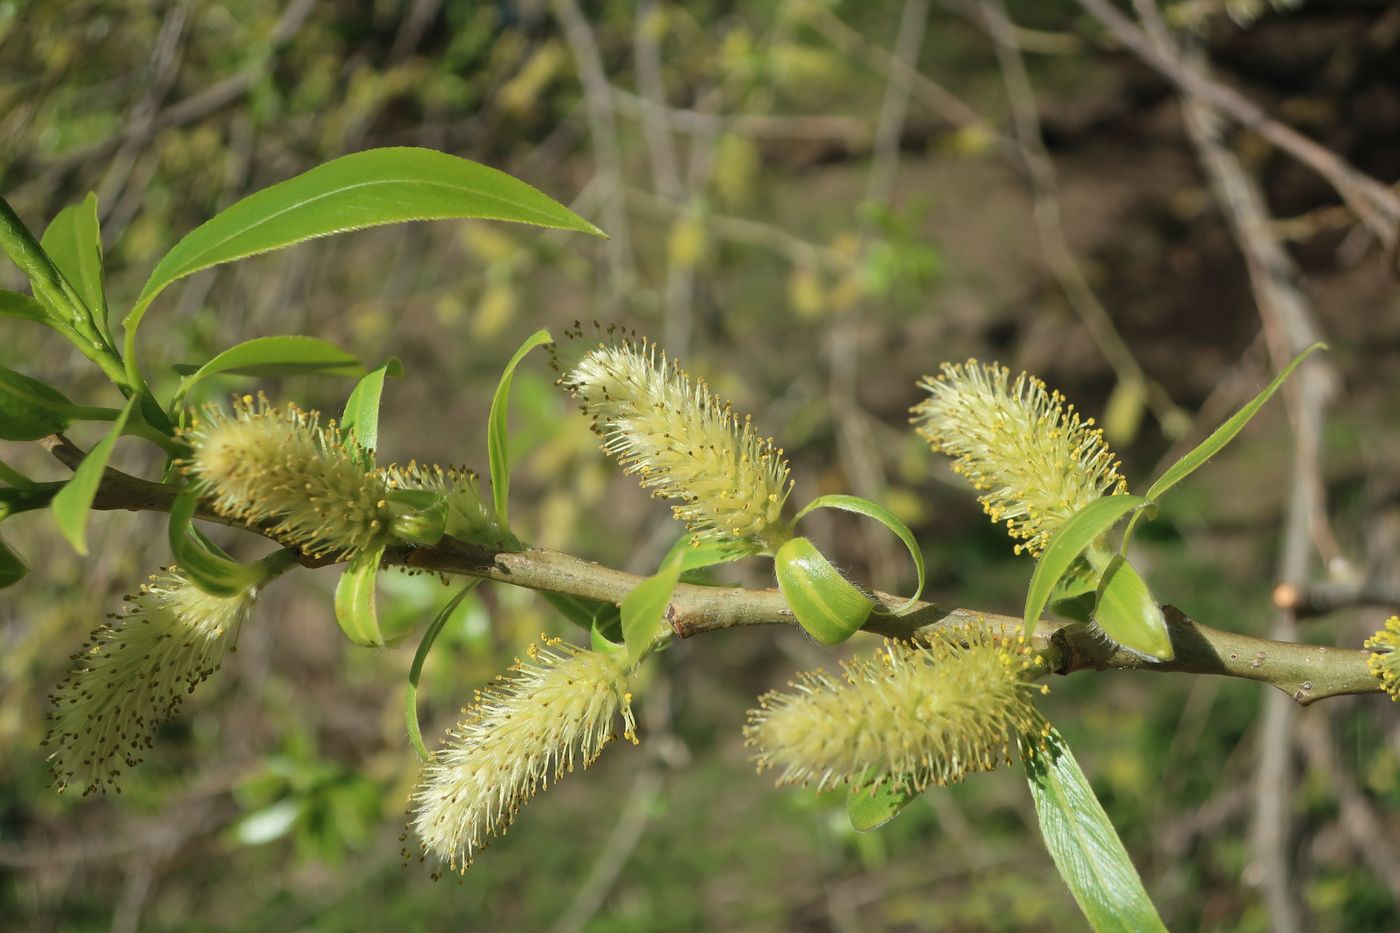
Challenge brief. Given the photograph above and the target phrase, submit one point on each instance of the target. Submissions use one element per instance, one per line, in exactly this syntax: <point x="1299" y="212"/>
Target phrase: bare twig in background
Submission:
<point x="1325" y="597"/>
<point x="851" y="130"/>
<point x="855" y="445"/>
<point x="1377" y="206"/>
<point x="1363" y="825"/>
<point x="1289" y="324"/>
<point x="191" y="109"/>
<point x="938" y="99"/>
<point x="597" y="96"/>
<point x="1049" y="219"/>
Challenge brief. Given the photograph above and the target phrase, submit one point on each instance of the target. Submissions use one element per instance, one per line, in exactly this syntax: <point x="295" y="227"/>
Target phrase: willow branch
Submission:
<point x="1306" y="673"/>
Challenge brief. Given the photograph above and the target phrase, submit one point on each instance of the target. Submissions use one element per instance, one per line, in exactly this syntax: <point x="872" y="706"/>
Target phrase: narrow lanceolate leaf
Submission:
<point x="1226" y="432"/>
<point x="869" y="808"/>
<point x="30" y="409"/>
<point x="1084" y="845"/>
<point x="13" y="304"/>
<point x="74" y="500"/>
<point x="12" y="566"/>
<point x="885" y="517"/>
<point x="415" y="671"/>
<point x="497" y="438"/>
<point x="73" y="241"/>
<point x="354" y="599"/>
<point x="213" y="573"/>
<point x="697" y="555"/>
<point x="361" y="416"/>
<point x="1128" y="614"/>
<point x="365" y="189"/>
<point x="826" y="604"/>
<point x="644" y="607"/>
<point x="1069" y="542"/>
<point x="277" y="356"/>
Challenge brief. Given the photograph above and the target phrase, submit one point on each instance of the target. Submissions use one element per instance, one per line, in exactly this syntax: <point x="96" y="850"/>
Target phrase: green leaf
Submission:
<point x="826" y="604"/>
<point x="50" y="288"/>
<point x="1226" y="432"/>
<point x="579" y="611"/>
<point x="13" y="477"/>
<point x="497" y="439"/>
<point x="275" y="356"/>
<point x="365" y="189"/>
<point x="420" y="515"/>
<point x="13" y="304"/>
<point x="354" y="599"/>
<point x="605" y="633"/>
<point x="644" y="607"/>
<point x="1082" y="529"/>
<point x="885" y="517"/>
<point x="212" y="573"/>
<point x="73" y="241"/>
<point x="12" y="566"/>
<point x="1084" y="845"/>
<point x="869" y="809"/>
<point x="698" y="556"/>
<point x="410" y="698"/>
<point x="29" y="409"/>
<point x="74" y="500"/>
<point x="361" y="415"/>
<point x="1127" y="613"/>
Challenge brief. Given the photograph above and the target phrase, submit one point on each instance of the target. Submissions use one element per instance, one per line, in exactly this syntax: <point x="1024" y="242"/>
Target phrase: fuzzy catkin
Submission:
<point x="908" y="717"/>
<point x="265" y="464"/>
<point x="1035" y="461"/>
<point x="684" y="444"/>
<point x="132" y="675"/>
<point x="1384" y="662"/>
<point x="529" y="728"/>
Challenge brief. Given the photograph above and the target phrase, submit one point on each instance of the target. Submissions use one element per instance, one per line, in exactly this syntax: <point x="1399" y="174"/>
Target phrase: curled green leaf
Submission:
<point x="885" y="517"/>
<point x="415" y="671"/>
<point x="497" y="438"/>
<point x="825" y="603"/>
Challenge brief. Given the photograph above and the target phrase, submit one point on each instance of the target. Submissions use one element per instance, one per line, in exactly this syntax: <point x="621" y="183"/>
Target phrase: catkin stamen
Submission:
<point x="729" y="482"/>
<point x="552" y="711"/>
<point x="911" y="716"/>
<point x="133" y="673"/>
<point x="262" y="464"/>
<point x="1033" y="458"/>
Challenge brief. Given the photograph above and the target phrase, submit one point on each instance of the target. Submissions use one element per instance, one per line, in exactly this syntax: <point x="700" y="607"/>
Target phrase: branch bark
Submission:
<point x="1307" y="673"/>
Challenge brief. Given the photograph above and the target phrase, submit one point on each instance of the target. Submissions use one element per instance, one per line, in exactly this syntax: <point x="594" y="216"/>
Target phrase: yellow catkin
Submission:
<point x="280" y="466"/>
<point x="550" y="711"/>
<point x="908" y="717"/>
<point x="1035" y="461"/>
<point x="132" y="675"/>
<point x="1384" y="662"/>
<point x="684" y="444"/>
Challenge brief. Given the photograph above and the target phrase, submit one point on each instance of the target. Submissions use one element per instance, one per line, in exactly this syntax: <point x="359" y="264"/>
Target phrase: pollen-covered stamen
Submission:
<point x="548" y="712"/>
<point x="265" y="464"/>
<point x="1033" y="458"/>
<point x="911" y="716"/>
<point x="132" y="675"/>
<point x="684" y="444"/>
<point x="1384" y="662"/>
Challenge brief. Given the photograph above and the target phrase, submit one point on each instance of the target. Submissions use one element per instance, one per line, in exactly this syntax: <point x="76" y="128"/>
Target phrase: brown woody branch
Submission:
<point x="1307" y="673"/>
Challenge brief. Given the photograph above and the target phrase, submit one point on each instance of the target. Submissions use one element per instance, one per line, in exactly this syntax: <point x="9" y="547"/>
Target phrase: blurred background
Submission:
<point x="812" y="203"/>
